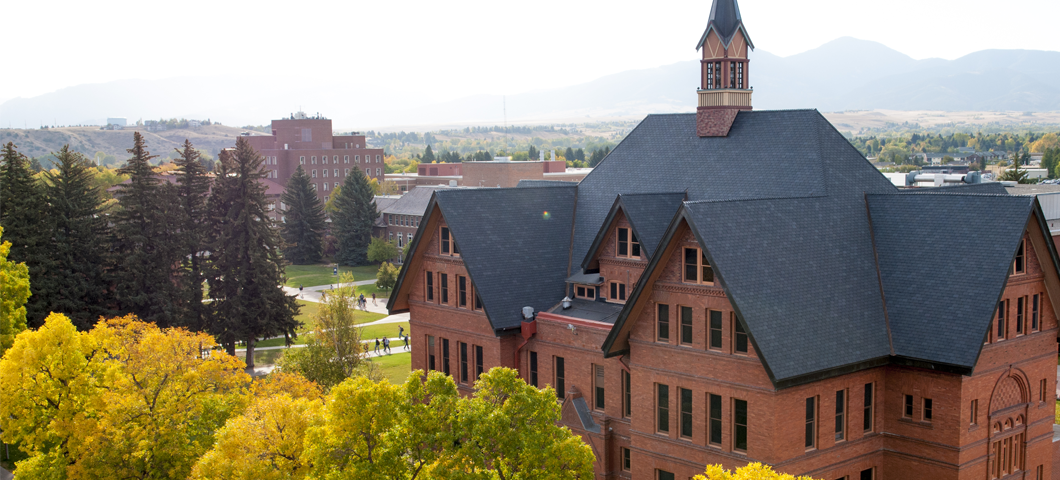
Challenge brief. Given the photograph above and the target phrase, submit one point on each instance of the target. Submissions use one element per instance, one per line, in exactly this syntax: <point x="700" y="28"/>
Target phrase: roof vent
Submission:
<point x="566" y="303"/>
<point x="528" y="312"/>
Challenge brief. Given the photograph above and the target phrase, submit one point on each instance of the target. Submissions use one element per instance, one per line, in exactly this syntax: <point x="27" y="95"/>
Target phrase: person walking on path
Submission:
<point x="386" y="345"/>
<point x="401" y="331"/>
<point x="373" y="298"/>
<point x="301" y="289"/>
<point x="365" y="345"/>
<point x="377" y="346"/>
<point x="406" y="343"/>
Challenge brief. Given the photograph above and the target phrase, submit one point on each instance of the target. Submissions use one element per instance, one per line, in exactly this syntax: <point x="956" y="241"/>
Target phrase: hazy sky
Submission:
<point x="441" y="50"/>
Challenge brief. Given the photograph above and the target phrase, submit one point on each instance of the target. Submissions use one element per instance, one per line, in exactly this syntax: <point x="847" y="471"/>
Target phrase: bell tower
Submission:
<point x="724" y="87"/>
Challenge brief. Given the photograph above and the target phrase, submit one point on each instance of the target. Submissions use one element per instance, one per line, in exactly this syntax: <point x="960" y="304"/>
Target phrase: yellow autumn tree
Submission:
<point x="752" y="471"/>
<point x="124" y="400"/>
<point x="14" y="291"/>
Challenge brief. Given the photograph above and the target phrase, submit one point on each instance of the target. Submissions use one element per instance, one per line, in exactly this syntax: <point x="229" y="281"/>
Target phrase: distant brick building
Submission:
<point x="698" y="312"/>
<point x="497" y="173"/>
<point x="327" y="158"/>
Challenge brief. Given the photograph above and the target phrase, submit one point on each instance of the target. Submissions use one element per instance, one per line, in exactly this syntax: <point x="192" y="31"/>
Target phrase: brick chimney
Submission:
<point x="724" y="87"/>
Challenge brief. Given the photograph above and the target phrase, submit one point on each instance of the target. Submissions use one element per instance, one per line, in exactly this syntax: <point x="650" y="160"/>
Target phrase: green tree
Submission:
<point x="569" y="154"/>
<point x="144" y="246"/>
<point x="1015" y="174"/>
<point x="387" y="275"/>
<point x="14" y="291"/>
<point x="381" y="250"/>
<point x="579" y="154"/>
<point x="73" y="280"/>
<point x="303" y="228"/>
<point x="246" y="275"/>
<point x="192" y="192"/>
<point x="352" y="219"/>
<point x="428" y="155"/>
<point x="532" y="154"/>
<point x="1050" y="160"/>
<point x="23" y="215"/>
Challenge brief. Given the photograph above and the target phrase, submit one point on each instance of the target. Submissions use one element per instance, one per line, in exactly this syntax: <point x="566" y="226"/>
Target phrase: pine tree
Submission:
<point x="192" y="191"/>
<point x="144" y="246"/>
<point x="303" y="230"/>
<point x="246" y="275"/>
<point x="428" y="155"/>
<point x="532" y="153"/>
<point x="353" y="218"/>
<point x="72" y="282"/>
<point x="23" y="217"/>
<point x="569" y="154"/>
<point x="579" y="154"/>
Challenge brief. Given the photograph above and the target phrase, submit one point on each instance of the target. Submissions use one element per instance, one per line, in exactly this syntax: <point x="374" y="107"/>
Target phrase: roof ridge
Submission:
<point x="731" y="200"/>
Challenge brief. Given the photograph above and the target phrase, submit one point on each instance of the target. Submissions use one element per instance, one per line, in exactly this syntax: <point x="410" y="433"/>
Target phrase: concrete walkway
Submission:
<point x="313" y="294"/>
<point x="395" y="348"/>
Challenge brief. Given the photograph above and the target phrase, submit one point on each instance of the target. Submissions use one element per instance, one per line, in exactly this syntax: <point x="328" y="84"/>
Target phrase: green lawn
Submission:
<point x="385" y="330"/>
<point x="16" y="455"/>
<point x="313" y="275"/>
<point x="263" y="357"/>
<point x="396" y="367"/>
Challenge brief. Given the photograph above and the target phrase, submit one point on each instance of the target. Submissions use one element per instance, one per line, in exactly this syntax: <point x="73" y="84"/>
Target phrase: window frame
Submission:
<point x="687" y="321"/>
<point x="741" y="343"/>
<point x="662" y="325"/>
<point x="841" y="415"/>
<point x="1036" y="301"/>
<point x="1019" y="262"/>
<point x="461" y="291"/>
<point x="463" y="362"/>
<point x="631" y="244"/>
<point x="532" y="361"/>
<point x="559" y="376"/>
<point x="599" y="390"/>
<point x="868" y="408"/>
<point x="626" y="463"/>
<point x="737" y="405"/>
<point x="685" y="403"/>
<point x="1001" y="332"/>
<point x="715" y="330"/>
<point x="701" y="267"/>
<point x="443" y="285"/>
<point x="1021" y="313"/>
<point x="627" y="394"/>
<point x="908" y="409"/>
<point x="479" y="361"/>
<point x="810" y="430"/>
<point x="662" y="409"/>
<point x="585" y="291"/>
<point x="429" y="288"/>
<point x="714" y="425"/>
<point x="445" y="356"/>
<point x="616" y="292"/>
<point x="926" y="407"/>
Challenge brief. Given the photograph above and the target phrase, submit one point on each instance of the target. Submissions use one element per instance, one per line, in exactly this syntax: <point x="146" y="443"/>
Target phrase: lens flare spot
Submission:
<point x="546" y="215"/>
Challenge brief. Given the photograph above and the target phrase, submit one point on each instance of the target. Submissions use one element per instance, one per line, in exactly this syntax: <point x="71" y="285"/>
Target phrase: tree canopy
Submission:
<point x="303" y="227"/>
<point x="751" y="471"/>
<point x="352" y="217"/>
<point x="14" y="291"/>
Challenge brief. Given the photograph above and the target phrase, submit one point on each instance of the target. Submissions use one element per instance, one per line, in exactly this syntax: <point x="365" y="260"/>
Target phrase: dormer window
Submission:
<point x="448" y="245"/>
<point x="628" y="245"/>
<point x="697" y="268"/>
<point x="1019" y="265"/>
<point x="583" y="291"/>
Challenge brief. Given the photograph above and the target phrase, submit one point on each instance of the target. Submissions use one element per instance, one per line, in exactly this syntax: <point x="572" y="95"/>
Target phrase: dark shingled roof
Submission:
<point x="932" y="294"/>
<point x="988" y="188"/>
<point x="413" y="202"/>
<point x="543" y="183"/>
<point x="726" y="21"/>
<point x="515" y="255"/>
<point x="646" y="213"/>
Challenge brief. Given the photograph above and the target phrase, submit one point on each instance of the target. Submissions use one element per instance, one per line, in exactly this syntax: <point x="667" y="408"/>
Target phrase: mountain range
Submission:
<point x="844" y="74"/>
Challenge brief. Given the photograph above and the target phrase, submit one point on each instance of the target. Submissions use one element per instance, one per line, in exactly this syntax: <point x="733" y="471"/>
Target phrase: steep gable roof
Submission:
<point x="725" y="19"/>
<point x="939" y="304"/>
<point x="514" y="243"/>
<point x="646" y="213"/>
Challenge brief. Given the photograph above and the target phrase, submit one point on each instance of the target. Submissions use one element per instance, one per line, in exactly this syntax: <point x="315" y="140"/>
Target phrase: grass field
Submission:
<point x="313" y="275"/>
<point x="388" y="330"/>
<point x="263" y="357"/>
<point x="309" y="310"/>
<point x="396" y="367"/>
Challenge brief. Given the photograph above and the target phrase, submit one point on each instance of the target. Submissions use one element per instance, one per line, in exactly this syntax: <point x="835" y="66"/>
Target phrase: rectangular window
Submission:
<point x="866" y="474"/>
<point x="664" y="475"/>
<point x="444" y="236"/>
<point x="478" y="361"/>
<point x="686" y="412"/>
<point x="739" y="442"/>
<point x="717" y="74"/>
<point x="1042" y="385"/>
<point x="430" y="353"/>
<point x="697" y="268"/>
<point x="1019" y="264"/>
<point x="739" y="335"/>
<point x="908" y="411"/>
<point x="301" y="160"/>
<point x="314" y="159"/>
<point x="811" y="423"/>
<point x="582" y="291"/>
<point x="445" y="355"/>
<point x="715" y="420"/>
<point x="1021" y="303"/>
<point x="314" y="173"/>
<point x="325" y="176"/>
<point x="478" y="301"/>
<point x="927" y="410"/>
<point x="1002" y="307"/>
<point x="533" y="368"/>
<point x="686" y="325"/>
<point x="732" y="74"/>
<point x="618" y="292"/>
<point x="739" y="75"/>
<point x="463" y="362"/>
<point x="710" y="76"/>
<point x="1034" y="313"/>
<point x="461" y="291"/>
<point x="868" y="410"/>
<point x="628" y="245"/>
<point x="662" y="321"/>
<point x="598" y="387"/>
<point x="559" y="383"/>
<point x="627" y="395"/>
<point x="715" y="329"/>
<point x="625" y="459"/>
<point x="346" y="159"/>
<point x="357" y="158"/>
<point x="378" y="171"/>
<point x="662" y="405"/>
<point x="973" y="413"/>
<point x="840" y="415"/>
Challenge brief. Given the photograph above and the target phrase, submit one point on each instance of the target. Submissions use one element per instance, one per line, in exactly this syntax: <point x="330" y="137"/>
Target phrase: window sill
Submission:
<point x="917" y="423"/>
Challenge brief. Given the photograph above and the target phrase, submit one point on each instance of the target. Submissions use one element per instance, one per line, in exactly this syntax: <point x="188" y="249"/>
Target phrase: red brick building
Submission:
<point x="309" y="142"/>
<point x="710" y="311"/>
<point x="497" y="173"/>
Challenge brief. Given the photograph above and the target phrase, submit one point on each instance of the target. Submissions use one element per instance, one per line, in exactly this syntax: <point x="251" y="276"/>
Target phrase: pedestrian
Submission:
<point x="406" y="342"/>
<point x="365" y="345"/>
<point x="373" y="298"/>
<point x="376" y="345"/>
<point x="401" y="330"/>
<point x="386" y="345"/>
<point x="301" y="294"/>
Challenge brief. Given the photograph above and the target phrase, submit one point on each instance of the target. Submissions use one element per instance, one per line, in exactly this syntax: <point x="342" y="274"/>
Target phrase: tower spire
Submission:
<point x="724" y="87"/>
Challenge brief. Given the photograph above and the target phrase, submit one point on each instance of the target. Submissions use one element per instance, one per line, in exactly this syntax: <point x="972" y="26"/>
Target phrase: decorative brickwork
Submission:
<point x="714" y="122"/>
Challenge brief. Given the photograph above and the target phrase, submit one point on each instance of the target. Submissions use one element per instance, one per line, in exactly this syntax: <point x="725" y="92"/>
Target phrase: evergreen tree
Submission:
<point x="303" y="232"/>
<point x="143" y="242"/>
<point x="569" y="154"/>
<point x="72" y="281"/>
<point x="579" y="154"/>
<point x="353" y="218"/>
<point x="192" y="191"/>
<point x="532" y="154"/>
<point x="428" y="155"/>
<point x="246" y="275"/>
<point x="24" y="219"/>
